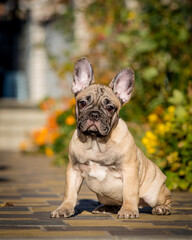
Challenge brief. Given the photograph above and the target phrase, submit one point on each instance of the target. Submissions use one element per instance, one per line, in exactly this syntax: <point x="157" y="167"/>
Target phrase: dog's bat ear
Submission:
<point x="123" y="84"/>
<point x="82" y="75"/>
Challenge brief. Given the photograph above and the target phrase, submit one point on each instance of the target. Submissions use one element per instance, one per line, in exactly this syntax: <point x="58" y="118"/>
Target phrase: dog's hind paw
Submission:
<point x="161" y="210"/>
<point x="106" y="209"/>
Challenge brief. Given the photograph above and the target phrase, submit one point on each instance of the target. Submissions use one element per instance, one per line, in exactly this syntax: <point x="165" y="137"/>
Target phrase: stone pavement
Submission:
<point x="34" y="188"/>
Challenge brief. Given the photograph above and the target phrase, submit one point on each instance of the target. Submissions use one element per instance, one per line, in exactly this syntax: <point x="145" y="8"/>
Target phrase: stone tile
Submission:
<point x="14" y="209"/>
<point x="35" y="233"/>
<point x="50" y="228"/>
<point x="42" y="215"/>
<point x="34" y="222"/>
<point x="176" y="223"/>
<point x="31" y="195"/>
<point x="7" y="197"/>
<point x="161" y="232"/>
<point x="100" y="222"/>
<point x="13" y="215"/>
<point x="18" y="212"/>
<point x="18" y="227"/>
<point x="54" y="202"/>
<point x="30" y="199"/>
<point x="43" y="209"/>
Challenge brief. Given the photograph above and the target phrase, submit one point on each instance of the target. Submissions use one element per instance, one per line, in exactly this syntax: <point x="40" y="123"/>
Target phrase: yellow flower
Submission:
<point x="168" y="126"/>
<point x="168" y="117"/>
<point x="175" y="166"/>
<point x="170" y="113"/>
<point x="161" y="129"/>
<point x="173" y="157"/>
<point x="153" y="118"/>
<point x="70" y="120"/>
<point x="131" y="15"/>
<point x="151" y="150"/>
<point x="145" y="141"/>
<point x="150" y="141"/>
<point x="151" y="135"/>
<point x="49" y="152"/>
<point x="171" y="109"/>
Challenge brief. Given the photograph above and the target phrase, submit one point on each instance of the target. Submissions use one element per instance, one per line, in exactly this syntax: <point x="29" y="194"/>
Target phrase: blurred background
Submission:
<point x="40" y="41"/>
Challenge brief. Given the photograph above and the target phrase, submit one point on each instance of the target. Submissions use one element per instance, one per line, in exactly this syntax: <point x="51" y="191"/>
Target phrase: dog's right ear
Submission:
<point x="122" y="84"/>
<point x="82" y="75"/>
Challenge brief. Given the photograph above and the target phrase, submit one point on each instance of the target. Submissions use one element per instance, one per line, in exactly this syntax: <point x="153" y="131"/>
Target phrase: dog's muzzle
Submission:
<point x="94" y="116"/>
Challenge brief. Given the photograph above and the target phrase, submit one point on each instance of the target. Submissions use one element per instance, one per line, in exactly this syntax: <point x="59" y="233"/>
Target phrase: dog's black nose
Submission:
<point x="94" y="116"/>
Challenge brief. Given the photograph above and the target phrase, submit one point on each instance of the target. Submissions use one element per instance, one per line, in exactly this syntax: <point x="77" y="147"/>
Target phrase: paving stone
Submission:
<point x="14" y="209"/>
<point x="10" y="197"/>
<point x="35" y="222"/>
<point x="19" y="227"/>
<point x="50" y="234"/>
<point x="35" y="195"/>
<point x="16" y="216"/>
<point x="39" y="190"/>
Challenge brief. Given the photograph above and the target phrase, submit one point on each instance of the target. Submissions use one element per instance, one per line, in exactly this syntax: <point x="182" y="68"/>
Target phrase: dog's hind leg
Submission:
<point x="163" y="206"/>
<point x="109" y="207"/>
<point x="106" y="209"/>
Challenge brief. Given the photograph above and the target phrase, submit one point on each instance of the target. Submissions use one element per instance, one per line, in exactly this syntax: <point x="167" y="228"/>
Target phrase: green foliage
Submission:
<point x="153" y="38"/>
<point x="170" y="139"/>
<point x="66" y="126"/>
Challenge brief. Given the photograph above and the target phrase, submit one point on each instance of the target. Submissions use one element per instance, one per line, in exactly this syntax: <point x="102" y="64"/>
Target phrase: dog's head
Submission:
<point x="97" y="106"/>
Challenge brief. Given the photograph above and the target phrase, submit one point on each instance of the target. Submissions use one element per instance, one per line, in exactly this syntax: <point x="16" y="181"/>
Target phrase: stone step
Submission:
<point x="16" y="124"/>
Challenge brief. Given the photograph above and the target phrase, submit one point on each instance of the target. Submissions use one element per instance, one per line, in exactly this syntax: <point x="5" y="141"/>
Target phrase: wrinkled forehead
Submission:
<point x="98" y="91"/>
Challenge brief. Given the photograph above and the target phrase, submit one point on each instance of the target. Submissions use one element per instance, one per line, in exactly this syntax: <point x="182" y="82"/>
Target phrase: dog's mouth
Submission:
<point x="92" y="128"/>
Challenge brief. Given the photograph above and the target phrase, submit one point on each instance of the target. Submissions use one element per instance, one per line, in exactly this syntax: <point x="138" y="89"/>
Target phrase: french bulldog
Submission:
<point x="103" y="152"/>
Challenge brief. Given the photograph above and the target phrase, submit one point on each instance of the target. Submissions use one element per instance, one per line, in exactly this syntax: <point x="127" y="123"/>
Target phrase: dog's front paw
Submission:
<point x="127" y="213"/>
<point x="62" y="213"/>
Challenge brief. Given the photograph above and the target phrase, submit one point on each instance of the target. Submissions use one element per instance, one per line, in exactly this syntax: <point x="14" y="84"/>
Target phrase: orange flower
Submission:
<point x="51" y="122"/>
<point x="72" y="102"/>
<point x="52" y="136"/>
<point x="40" y="136"/>
<point x="23" y="146"/>
<point x="47" y="104"/>
<point x="70" y="120"/>
<point x="49" y="152"/>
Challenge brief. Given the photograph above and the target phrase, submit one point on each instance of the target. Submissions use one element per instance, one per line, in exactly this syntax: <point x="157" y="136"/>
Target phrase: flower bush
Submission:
<point x="53" y="138"/>
<point x="169" y="140"/>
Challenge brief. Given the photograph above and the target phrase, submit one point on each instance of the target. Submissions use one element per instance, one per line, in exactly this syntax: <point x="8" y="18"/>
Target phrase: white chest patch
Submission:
<point x="97" y="171"/>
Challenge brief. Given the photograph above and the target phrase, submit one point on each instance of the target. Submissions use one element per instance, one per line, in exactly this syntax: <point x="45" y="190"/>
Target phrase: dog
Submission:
<point x="103" y="152"/>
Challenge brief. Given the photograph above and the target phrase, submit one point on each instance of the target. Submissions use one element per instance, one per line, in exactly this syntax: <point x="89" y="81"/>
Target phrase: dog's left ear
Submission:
<point x="82" y="75"/>
<point x="122" y="84"/>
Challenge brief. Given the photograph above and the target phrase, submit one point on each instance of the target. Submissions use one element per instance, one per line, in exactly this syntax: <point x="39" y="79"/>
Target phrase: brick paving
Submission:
<point x="35" y="187"/>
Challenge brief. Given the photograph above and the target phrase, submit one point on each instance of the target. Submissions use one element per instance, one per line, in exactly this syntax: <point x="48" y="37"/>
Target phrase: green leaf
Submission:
<point x="177" y="98"/>
<point x="149" y="73"/>
<point x="180" y="112"/>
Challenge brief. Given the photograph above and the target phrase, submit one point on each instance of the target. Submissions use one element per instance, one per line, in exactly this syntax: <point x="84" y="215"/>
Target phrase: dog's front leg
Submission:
<point x="73" y="183"/>
<point x="129" y="208"/>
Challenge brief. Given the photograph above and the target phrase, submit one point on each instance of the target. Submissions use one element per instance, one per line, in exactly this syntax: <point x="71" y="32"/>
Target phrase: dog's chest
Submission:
<point x="98" y="172"/>
<point x="97" y="161"/>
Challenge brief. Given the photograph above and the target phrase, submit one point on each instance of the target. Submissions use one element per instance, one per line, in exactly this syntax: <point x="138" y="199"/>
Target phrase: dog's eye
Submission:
<point x="110" y="108"/>
<point x="82" y="104"/>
